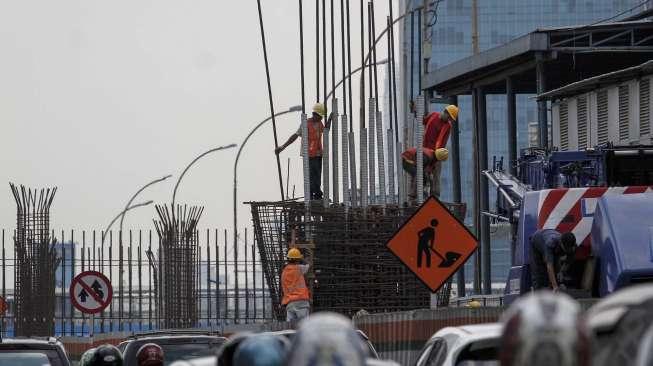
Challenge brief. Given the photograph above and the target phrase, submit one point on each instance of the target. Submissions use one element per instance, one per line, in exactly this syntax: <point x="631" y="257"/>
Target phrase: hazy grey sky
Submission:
<point x="100" y="97"/>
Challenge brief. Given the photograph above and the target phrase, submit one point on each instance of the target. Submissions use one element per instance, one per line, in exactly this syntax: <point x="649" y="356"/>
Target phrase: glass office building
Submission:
<point x="499" y="21"/>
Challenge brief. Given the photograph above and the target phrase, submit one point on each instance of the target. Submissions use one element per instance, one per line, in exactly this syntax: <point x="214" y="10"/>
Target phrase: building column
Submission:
<point x="511" y="118"/>
<point x="543" y="126"/>
<point x="476" y="191"/>
<point x="484" y="192"/>
<point x="456" y="185"/>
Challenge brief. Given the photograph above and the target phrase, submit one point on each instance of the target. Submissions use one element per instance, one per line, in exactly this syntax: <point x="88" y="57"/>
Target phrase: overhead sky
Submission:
<point x="98" y="98"/>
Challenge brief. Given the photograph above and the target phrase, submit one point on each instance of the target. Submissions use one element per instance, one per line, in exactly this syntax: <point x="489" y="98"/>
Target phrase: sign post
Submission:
<point x="433" y="244"/>
<point x="91" y="292"/>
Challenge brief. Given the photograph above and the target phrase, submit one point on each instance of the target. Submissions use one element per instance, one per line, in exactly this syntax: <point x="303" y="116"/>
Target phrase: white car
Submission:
<point x="465" y="345"/>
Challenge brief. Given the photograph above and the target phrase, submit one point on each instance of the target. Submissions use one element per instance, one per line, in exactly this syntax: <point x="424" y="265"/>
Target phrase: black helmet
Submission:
<point x="106" y="355"/>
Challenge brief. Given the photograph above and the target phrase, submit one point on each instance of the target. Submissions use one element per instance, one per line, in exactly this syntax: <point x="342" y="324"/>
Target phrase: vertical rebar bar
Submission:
<point x="418" y="150"/>
<point x="334" y="150"/>
<point x="380" y="157"/>
<point x="346" y="194"/>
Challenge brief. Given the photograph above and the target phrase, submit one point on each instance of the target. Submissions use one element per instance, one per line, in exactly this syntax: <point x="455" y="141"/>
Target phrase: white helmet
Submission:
<point x="543" y="328"/>
<point x="326" y="339"/>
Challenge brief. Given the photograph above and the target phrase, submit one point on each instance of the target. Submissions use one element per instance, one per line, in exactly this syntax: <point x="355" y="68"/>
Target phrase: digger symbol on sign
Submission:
<point x="426" y="245"/>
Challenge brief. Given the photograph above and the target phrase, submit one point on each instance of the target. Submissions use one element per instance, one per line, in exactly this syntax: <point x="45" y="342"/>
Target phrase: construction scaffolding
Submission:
<point x="353" y="269"/>
<point x="178" y="264"/>
<point x="36" y="262"/>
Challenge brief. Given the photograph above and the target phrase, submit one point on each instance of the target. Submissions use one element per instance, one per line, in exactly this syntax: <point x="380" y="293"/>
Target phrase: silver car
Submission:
<point x="464" y="345"/>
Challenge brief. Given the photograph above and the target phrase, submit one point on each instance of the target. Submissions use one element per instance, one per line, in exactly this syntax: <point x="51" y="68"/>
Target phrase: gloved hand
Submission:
<point x="442" y="154"/>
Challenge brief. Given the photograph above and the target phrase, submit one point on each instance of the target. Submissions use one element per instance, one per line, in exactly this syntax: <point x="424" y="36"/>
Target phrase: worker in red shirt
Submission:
<point x="315" y="130"/>
<point x="437" y="127"/>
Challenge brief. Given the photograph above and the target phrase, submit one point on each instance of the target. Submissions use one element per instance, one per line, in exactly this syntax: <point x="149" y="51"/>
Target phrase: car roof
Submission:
<point x="31" y="341"/>
<point x="606" y="313"/>
<point x="471" y="331"/>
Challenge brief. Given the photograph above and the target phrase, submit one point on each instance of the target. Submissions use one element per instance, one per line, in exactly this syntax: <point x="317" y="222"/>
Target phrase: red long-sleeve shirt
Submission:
<point x="436" y="132"/>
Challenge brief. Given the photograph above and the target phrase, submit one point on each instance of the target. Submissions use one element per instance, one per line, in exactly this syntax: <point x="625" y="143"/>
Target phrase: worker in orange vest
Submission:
<point x="293" y="284"/>
<point x="315" y="129"/>
<point x="437" y="127"/>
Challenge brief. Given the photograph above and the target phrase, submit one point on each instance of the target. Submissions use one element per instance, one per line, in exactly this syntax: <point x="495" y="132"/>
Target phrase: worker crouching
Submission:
<point x="295" y="293"/>
<point x="437" y="127"/>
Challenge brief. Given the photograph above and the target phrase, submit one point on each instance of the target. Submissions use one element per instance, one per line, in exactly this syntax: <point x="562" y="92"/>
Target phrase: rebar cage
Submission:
<point x="353" y="269"/>
<point x="36" y="262"/>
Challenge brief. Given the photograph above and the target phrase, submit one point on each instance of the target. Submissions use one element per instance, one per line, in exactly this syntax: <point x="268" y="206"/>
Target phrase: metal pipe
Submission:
<point x="334" y="109"/>
<point x="351" y="113"/>
<point x="317" y="51"/>
<point x="301" y="52"/>
<point x="419" y="177"/>
<point x="371" y="164"/>
<point x="391" y="165"/>
<point x="498" y="185"/>
<point x="267" y="75"/>
<point x="346" y="195"/>
<point x="305" y="163"/>
<point x="334" y="151"/>
<point x="511" y="118"/>
<point x="380" y="156"/>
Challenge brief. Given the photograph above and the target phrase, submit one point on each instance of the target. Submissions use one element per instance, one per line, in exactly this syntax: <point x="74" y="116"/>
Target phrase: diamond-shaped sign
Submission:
<point x="433" y="243"/>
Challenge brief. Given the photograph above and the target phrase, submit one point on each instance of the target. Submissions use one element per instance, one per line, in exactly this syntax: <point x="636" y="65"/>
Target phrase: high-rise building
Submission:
<point x="449" y="33"/>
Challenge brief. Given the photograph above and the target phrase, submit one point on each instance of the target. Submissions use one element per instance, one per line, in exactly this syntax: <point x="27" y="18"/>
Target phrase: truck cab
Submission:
<point x="563" y="190"/>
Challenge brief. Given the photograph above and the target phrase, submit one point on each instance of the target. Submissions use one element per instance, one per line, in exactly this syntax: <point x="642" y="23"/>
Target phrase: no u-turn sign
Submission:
<point x="90" y="292"/>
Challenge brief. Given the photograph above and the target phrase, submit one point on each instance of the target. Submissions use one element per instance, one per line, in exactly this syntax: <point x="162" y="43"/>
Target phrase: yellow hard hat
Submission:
<point x="319" y="109"/>
<point x="474" y="304"/>
<point x="452" y="110"/>
<point x="294" y="253"/>
<point x="441" y="154"/>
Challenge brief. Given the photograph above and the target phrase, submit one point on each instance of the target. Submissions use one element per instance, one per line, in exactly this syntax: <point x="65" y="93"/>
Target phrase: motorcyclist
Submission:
<point x="261" y="350"/>
<point x="327" y="339"/>
<point x="150" y="354"/>
<point x="106" y="355"/>
<point x="543" y="328"/>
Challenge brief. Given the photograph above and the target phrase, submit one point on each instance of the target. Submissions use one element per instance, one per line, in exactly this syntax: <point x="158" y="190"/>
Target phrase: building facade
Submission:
<point x="449" y="33"/>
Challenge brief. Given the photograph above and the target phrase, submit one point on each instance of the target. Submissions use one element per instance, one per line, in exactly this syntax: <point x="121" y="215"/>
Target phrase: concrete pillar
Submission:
<point x="543" y="135"/>
<point x="511" y="118"/>
<point x="484" y="192"/>
<point x="477" y="178"/>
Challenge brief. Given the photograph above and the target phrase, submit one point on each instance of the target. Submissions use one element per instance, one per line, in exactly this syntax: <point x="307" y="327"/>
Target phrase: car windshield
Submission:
<point x="24" y="359"/>
<point x="480" y="352"/>
<point x="174" y="351"/>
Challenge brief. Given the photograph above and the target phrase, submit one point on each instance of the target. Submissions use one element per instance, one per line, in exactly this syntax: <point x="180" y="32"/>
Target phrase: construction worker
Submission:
<point x="315" y="129"/>
<point x="295" y="292"/>
<point x="437" y="127"/>
<point x="547" y="246"/>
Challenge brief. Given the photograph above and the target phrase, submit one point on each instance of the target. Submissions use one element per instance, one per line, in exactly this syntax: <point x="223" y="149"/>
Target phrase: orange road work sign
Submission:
<point x="433" y="244"/>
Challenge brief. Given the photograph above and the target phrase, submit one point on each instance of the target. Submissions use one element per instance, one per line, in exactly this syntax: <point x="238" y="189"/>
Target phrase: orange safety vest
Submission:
<point x="293" y="284"/>
<point x="314" y="138"/>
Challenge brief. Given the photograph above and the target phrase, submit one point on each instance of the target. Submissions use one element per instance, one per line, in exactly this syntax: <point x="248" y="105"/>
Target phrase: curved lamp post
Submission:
<point x="297" y="108"/>
<point x="174" y="193"/>
<point x="128" y="206"/>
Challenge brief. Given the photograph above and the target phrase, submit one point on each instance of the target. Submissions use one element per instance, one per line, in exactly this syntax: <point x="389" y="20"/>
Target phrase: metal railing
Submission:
<point x="132" y="265"/>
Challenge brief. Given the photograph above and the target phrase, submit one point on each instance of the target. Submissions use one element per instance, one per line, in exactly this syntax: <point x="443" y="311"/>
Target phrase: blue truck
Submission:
<point x="604" y="196"/>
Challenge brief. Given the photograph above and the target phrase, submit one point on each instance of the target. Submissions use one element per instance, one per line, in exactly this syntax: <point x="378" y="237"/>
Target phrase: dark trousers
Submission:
<point x="315" y="170"/>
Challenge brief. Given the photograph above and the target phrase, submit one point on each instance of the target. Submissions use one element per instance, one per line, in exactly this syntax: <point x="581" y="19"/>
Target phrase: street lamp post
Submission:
<point x="129" y="206"/>
<point x="297" y="108"/>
